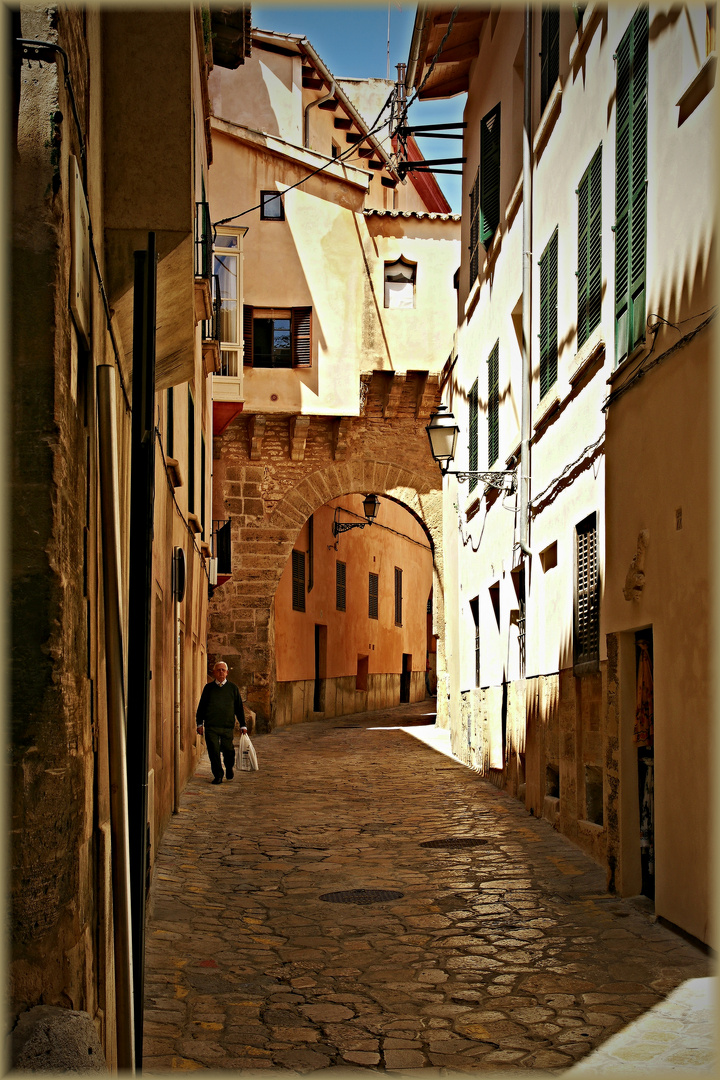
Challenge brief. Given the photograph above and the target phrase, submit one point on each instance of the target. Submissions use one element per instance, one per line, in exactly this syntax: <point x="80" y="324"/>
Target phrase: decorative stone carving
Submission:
<point x="298" y="437"/>
<point x="635" y="580"/>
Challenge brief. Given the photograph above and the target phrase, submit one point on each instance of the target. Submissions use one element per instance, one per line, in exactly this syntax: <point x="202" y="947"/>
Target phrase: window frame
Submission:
<point x="589" y="269"/>
<point x="228" y="346"/>
<point x="631" y="179"/>
<point x="301" y="339"/>
<point x="401" y="261"/>
<point x="398" y="596"/>
<point x="548" y="335"/>
<point x="373" y="594"/>
<point x="340" y="585"/>
<point x="490" y="163"/>
<point x="586" y="597"/>
<point x="493" y="408"/>
<point x="549" y="52"/>
<point x="268" y="196"/>
<point x="298" y="580"/>
<point x="473" y="424"/>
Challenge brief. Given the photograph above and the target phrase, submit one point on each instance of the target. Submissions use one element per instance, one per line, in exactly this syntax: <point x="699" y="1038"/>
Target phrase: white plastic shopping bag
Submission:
<point x="248" y="757"/>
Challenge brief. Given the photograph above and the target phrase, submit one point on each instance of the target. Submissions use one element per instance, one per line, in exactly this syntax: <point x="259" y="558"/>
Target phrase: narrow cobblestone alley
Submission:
<point x="502" y="953"/>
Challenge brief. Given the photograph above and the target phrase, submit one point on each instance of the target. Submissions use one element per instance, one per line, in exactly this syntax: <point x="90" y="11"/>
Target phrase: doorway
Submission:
<point x="320" y="668"/>
<point x="405" y="678"/>
<point x="644" y="738"/>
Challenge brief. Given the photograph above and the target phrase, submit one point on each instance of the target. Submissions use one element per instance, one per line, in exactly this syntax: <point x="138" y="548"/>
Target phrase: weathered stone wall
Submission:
<point x="52" y="733"/>
<point x="294" y="701"/>
<point x="268" y="479"/>
<point x="555" y="731"/>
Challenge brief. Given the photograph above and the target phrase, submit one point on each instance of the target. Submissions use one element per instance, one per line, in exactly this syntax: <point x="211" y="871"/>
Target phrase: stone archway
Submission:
<point x="241" y="625"/>
<point x="269" y="479"/>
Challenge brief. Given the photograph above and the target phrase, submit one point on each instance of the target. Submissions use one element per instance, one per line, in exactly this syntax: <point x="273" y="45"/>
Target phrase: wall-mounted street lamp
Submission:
<point x="370" y="506"/>
<point x="443" y="432"/>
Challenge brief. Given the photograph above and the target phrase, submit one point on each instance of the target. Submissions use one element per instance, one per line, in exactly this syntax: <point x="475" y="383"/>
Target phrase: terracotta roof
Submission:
<point x="412" y="214"/>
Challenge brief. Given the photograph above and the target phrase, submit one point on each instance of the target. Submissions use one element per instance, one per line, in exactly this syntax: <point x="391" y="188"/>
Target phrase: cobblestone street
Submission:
<point x="502" y="954"/>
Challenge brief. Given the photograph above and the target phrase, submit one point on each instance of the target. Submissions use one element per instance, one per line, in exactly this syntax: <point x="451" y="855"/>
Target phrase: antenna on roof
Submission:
<point x="388" y="44"/>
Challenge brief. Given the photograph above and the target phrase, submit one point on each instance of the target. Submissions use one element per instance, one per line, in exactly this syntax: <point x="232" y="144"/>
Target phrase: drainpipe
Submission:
<point x="176" y="759"/>
<point x="526" y="292"/>
<point x="307" y="114"/>
<point x="110" y="527"/>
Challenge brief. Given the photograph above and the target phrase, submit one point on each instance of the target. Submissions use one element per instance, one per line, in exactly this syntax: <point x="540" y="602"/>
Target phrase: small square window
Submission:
<point x="271" y="206"/>
<point x="400" y="284"/>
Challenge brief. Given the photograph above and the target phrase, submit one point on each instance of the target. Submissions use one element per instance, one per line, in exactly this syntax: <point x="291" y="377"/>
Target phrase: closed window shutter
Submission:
<point x="302" y="336"/>
<point x="548" y="315"/>
<point x="587" y="607"/>
<point x="398" y="596"/>
<point x="473" y="432"/>
<point x="373" y="596"/>
<point x="494" y="404"/>
<point x="474" y="229"/>
<point x="589" y="272"/>
<point x="247" y="335"/>
<point x="489" y="175"/>
<point x="549" y="53"/>
<point x="298" y="580"/>
<point x="630" y="189"/>
<point x="340" y="595"/>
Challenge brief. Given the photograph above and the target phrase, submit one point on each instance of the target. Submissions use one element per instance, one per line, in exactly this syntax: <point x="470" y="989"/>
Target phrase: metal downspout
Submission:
<point x="312" y="105"/>
<point x="176" y="710"/>
<point x="526" y="291"/>
<point x="110" y="526"/>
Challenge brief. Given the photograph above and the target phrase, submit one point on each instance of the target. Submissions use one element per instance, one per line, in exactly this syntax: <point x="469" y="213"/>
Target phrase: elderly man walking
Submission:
<point x="220" y="704"/>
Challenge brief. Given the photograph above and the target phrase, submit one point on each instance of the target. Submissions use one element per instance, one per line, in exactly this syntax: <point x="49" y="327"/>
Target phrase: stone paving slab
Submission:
<point x="501" y="957"/>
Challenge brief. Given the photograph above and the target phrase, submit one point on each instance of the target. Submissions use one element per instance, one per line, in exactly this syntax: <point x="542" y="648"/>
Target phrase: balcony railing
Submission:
<point x="211" y="326"/>
<point x="203" y="241"/>
<point x="222" y="545"/>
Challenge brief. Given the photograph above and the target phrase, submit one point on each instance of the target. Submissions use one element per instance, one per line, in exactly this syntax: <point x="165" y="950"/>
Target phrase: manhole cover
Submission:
<point x="453" y="842"/>
<point x="361" y="896"/>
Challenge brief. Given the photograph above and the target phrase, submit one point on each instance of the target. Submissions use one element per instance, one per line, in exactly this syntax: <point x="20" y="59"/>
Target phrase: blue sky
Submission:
<point x="353" y="42"/>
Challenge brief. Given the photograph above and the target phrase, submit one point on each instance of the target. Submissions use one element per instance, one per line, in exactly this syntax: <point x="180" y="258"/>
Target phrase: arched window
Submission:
<point x="400" y="284"/>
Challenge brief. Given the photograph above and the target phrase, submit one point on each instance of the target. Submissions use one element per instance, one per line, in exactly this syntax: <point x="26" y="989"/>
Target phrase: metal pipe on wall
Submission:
<point x="526" y="290"/>
<point x="176" y="759"/>
<point x="110" y="527"/>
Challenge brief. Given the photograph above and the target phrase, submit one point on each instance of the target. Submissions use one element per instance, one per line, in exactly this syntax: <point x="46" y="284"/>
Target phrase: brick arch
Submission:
<point x="242" y="616"/>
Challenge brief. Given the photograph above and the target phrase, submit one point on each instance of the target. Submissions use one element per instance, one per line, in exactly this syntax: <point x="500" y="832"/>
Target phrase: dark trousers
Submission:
<point x="220" y="742"/>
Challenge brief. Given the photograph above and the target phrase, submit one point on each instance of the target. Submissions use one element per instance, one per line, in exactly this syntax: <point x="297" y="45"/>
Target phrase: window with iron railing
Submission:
<point x="222" y="545"/>
<point x="211" y="326"/>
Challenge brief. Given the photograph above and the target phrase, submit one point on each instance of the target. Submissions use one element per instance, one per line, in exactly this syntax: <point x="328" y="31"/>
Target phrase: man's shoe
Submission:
<point x="218" y="780"/>
<point x="229" y="773"/>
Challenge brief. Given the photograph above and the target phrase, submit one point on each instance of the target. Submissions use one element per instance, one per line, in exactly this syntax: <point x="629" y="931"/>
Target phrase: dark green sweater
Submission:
<point x="218" y="707"/>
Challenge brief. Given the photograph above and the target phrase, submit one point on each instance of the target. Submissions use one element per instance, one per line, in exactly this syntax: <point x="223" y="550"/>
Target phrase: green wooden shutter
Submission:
<point x="474" y="228"/>
<point x="549" y="52"/>
<point x="247" y="335"/>
<point x="548" y="315"/>
<point x="589" y="272"/>
<point x="493" y="405"/>
<point x="301" y="336"/>
<point x="630" y="186"/>
<point x="473" y="432"/>
<point x="489" y="175"/>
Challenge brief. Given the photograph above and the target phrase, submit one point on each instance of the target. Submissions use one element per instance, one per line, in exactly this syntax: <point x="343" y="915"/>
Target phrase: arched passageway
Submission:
<point x="268" y="488"/>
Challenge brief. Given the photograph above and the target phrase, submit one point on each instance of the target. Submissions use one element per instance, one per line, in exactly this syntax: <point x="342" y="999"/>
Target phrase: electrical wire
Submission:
<point x="590" y="448"/>
<point x="374" y="128"/>
<point x="642" y="367"/>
